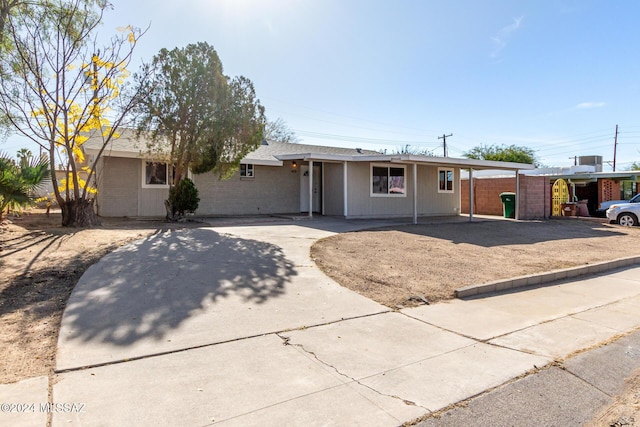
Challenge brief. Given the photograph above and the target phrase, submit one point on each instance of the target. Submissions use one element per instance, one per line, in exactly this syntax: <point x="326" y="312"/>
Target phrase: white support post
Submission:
<point x="345" y="200"/>
<point x="310" y="188"/>
<point x="470" y="194"/>
<point x="517" y="207"/>
<point x="322" y="190"/>
<point x="415" y="193"/>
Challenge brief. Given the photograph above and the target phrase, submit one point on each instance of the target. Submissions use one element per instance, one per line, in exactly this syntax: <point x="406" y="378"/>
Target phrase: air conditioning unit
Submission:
<point x="591" y="161"/>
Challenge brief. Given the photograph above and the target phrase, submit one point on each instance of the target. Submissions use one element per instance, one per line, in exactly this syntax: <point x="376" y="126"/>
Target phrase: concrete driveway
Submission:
<point x="235" y="325"/>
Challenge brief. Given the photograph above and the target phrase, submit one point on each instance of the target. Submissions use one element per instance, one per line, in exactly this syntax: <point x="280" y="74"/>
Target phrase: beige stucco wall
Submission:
<point x="333" y="189"/>
<point x="274" y="189"/>
<point x="120" y="191"/>
<point x="430" y="202"/>
<point x="362" y="204"/>
<point x="119" y="182"/>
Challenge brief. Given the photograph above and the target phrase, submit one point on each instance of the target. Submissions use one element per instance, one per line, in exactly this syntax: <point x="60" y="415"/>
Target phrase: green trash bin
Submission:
<point x="508" y="204"/>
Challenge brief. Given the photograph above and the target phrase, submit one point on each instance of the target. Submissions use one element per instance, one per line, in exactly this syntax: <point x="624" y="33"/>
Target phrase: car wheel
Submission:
<point x="627" y="220"/>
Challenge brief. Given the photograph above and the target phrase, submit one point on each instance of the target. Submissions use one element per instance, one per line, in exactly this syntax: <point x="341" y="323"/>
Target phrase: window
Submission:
<point x="155" y="174"/>
<point x="388" y="181"/>
<point x="246" y="171"/>
<point x="445" y="180"/>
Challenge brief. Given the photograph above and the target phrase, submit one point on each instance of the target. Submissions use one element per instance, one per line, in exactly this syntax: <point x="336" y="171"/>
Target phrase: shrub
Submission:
<point x="183" y="197"/>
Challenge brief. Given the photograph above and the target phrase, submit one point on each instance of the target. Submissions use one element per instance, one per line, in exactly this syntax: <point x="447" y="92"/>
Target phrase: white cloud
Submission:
<point x="500" y="39"/>
<point x="585" y="105"/>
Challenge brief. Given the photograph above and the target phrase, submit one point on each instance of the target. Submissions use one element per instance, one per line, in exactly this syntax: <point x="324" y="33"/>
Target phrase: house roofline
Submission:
<point x="116" y="153"/>
<point x="261" y="162"/>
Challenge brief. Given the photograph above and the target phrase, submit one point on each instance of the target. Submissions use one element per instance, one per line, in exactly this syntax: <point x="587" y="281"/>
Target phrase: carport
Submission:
<point x="352" y="179"/>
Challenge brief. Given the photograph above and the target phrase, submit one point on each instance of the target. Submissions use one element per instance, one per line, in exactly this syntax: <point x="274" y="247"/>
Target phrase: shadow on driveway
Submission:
<point x="148" y="288"/>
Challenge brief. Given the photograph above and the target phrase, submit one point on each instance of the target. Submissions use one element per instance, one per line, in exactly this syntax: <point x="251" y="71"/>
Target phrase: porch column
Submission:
<point x="310" y="188"/>
<point x="415" y="193"/>
<point x="517" y="195"/>
<point x="322" y="187"/>
<point x="470" y="194"/>
<point x="345" y="205"/>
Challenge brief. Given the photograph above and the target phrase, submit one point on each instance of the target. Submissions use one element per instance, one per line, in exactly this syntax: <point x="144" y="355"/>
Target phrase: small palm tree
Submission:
<point x="24" y="155"/>
<point x="18" y="183"/>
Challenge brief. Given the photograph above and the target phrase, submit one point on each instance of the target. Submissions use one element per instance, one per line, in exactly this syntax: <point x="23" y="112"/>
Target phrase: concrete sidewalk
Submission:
<point x="237" y="326"/>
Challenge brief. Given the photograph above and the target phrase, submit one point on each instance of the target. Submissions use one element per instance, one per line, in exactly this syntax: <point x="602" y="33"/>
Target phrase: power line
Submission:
<point x="377" y="122"/>
<point x="582" y="143"/>
<point x="348" y="138"/>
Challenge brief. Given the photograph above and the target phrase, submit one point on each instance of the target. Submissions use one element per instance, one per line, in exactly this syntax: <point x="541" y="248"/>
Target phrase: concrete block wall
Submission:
<point x="273" y="190"/>
<point x="535" y="197"/>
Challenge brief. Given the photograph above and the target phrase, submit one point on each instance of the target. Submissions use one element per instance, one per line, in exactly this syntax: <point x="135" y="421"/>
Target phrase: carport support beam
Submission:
<point x="470" y="194"/>
<point x="345" y="200"/>
<point x="310" y="188"/>
<point x="517" y="207"/>
<point x="415" y="193"/>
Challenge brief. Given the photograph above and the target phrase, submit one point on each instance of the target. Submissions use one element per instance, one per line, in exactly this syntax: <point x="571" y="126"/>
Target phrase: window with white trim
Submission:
<point x="388" y="181"/>
<point x="155" y="175"/>
<point x="246" y="170"/>
<point x="445" y="180"/>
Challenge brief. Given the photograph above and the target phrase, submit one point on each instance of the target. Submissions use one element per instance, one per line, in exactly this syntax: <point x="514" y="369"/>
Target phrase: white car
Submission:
<point x="606" y="205"/>
<point x="625" y="214"/>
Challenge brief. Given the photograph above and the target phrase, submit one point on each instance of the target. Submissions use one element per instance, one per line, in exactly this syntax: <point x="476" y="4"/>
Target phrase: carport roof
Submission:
<point x="409" y="159"/>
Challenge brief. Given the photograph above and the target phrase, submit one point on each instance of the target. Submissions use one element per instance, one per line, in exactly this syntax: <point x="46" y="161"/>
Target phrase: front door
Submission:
<point x="316" y="188"/>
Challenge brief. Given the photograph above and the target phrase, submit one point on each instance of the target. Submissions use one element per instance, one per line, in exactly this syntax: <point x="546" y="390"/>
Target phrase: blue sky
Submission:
<point x="555" y="76"/>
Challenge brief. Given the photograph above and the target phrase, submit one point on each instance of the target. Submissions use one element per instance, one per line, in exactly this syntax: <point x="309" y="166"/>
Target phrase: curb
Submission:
<point x="538" y="279"/>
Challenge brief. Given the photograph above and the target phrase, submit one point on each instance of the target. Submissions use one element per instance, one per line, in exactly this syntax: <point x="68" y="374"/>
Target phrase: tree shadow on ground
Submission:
<point x="147" y="288"/>
<point x="42" y="291"/>
<point x="505" y="233"/>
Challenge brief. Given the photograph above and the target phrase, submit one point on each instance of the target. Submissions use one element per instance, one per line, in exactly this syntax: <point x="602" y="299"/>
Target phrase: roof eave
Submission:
<point x="115" y="153"/>
<point x="463" y="163"/>
<point x="428" y="160"/>
<point x="261" y="162"/>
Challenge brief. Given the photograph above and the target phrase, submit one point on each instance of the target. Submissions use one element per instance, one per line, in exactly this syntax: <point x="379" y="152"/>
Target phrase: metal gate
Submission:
<point x="560" y="195"/>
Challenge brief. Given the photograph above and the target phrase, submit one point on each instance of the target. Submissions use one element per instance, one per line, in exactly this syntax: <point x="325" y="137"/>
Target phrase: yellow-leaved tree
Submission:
<point x="59" y="87"/>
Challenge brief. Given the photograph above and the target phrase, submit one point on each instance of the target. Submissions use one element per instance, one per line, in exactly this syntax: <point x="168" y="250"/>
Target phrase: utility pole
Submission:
<point x="444" y="142"/>
<point x="615" y="147"/>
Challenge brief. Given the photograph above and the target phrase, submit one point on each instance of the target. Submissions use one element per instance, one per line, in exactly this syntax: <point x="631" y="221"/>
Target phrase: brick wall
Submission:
<point x="608" y="190"/>
<point x="534" y="194"/>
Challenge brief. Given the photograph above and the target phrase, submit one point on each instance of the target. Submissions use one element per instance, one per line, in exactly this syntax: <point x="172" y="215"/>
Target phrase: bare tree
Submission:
<point x="279" y="131"/>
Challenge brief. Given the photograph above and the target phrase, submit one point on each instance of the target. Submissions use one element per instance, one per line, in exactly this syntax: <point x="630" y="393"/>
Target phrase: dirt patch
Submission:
<point x="41" y="262"/>
<point x="400" y="265"/>
<point x="625" y="409"/>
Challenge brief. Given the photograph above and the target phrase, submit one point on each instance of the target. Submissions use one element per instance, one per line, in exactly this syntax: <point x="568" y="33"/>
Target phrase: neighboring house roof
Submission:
<point x="594" y="176"/>
<point x="573" y="173"/>
<point x="273" y="153"/>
